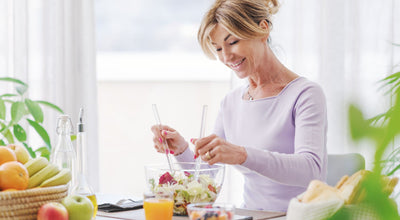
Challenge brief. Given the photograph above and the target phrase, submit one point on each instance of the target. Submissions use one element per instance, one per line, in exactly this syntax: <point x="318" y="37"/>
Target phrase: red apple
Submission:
<point x="52" y="211"/>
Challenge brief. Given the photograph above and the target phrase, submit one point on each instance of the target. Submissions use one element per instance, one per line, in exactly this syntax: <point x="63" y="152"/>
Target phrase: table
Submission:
<point x="139" y="213"/>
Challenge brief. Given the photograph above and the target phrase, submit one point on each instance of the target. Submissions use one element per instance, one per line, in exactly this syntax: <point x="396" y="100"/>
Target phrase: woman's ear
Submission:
<point x="264" y="25"/>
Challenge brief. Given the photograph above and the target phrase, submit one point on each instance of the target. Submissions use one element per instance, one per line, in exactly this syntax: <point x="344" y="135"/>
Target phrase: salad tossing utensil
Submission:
<point x="157" y="117"/>
<point x="202" y="128"/>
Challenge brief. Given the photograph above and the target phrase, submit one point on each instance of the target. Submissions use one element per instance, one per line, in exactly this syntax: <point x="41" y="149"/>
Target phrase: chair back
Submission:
<point x="343" y="164"/>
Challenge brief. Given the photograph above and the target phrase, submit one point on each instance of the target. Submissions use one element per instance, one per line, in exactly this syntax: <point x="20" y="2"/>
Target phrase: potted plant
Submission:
<point x="18" y="110"/>
<point x="382" y="130"/>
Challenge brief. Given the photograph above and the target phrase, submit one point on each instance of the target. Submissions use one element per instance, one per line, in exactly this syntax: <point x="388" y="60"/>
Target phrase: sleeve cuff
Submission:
<point x="251" y="160"/>
<point x="186" y="156"/>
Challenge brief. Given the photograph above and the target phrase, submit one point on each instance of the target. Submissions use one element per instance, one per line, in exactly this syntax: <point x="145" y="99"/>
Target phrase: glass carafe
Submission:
<point x="81" y="186"/>
<point x="63" y="154"/>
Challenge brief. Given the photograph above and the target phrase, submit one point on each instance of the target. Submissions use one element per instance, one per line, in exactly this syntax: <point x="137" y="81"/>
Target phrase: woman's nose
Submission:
<point x="226" y="54"/>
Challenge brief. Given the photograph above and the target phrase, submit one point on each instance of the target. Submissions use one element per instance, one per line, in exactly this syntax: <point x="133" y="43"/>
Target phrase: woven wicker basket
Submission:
<point x="24" y="204"/>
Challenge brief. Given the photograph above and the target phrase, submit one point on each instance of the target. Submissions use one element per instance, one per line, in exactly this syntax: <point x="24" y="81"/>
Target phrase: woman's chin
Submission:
<point x="241" y="75"/>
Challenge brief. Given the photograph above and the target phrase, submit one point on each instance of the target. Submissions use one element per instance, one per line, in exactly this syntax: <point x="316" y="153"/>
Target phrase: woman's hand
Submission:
<point x="176" y="142"/>
<point x="214" y="149"/>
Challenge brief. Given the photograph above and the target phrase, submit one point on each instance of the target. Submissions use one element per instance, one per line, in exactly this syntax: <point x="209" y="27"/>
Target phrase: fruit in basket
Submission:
<point x="35" y="165"/>
<point x="63" y="177"/>
<point x="6" y="154"/>
<point x="46" y="173"/>
<point x="13" y="175"/>
<point x="52" y="211"/>
<point x="21" y="153"/>
<point x="79" y="207"/>
<point x="351" y="189"/>
<point x="320" y="191"/>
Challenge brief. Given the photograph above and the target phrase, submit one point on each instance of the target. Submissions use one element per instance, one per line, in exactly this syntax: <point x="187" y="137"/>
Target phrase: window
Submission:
<point x="152" y="40"/>
<point x="147" y="52"/>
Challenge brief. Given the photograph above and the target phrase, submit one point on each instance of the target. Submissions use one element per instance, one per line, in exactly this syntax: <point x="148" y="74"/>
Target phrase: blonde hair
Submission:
<point x="240" y="17"/>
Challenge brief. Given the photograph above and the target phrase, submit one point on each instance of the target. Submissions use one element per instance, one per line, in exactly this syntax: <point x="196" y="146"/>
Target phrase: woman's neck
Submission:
<point x="270" y="79"/>
<point x="274" y="73"/>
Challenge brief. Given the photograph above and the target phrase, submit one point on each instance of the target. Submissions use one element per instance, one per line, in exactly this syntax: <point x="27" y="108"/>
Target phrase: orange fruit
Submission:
<point x="6" y="154"/>
<point x="9" y="190"/>
<point x="13" y="175"/>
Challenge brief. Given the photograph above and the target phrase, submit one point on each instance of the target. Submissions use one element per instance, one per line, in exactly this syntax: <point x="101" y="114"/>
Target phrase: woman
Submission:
<point x="273" y="130"/>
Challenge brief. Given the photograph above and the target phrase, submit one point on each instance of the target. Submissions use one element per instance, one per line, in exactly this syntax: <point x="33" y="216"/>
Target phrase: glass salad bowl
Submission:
<point x="181" y="181"/>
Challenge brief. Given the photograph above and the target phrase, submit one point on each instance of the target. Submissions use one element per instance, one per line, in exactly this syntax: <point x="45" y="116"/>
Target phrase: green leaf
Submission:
<point x="17" y="111"/>
<point x="393" y="171"/>
<point x="358" y="125"/>
<point x="9" y="136"/>
<point x="19" y="133"/>
<point x="8" y="95"/>
<point x="48" y="104"/>
<point x="21" y="88"/>
<point x="44" y="152"/>
<point x="41" y="131"/>
<point x="394" y="76"/>
<point x="394" y="121"/>
<point x="2" y="110"/>
<point x="35" y="110"/>
<point x="2" y="127"/>
<point x="9" y="79"/>
<point x="31" y="152"/>
<point x="2" y="143"/>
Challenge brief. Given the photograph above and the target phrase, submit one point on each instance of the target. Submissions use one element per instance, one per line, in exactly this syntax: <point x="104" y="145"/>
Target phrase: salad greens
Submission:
<point x="186" y="189"/>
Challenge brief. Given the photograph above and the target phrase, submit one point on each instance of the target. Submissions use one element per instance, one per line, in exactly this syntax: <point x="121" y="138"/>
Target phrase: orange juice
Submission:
<point x="158" y="209"/>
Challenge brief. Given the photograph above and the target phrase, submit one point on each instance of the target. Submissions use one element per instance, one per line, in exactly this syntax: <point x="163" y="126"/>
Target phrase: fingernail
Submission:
<point x="167" y="151"/>
<point x="171" y="152"/>
<point x="195" y="157"/>
<point x="160" y="140"/>
<point x="191" y="140"/>
<point x="165" y="132"/>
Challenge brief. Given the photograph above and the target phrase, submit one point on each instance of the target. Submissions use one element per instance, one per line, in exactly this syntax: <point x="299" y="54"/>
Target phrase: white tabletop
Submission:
<point x="138" y="214"/>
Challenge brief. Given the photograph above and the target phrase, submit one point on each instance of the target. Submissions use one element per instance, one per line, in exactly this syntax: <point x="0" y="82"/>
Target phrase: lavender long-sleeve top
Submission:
<point x="285" y="140"/>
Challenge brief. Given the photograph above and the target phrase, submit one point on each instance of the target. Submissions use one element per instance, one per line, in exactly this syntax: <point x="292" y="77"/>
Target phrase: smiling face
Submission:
<point x="244" y="56"/>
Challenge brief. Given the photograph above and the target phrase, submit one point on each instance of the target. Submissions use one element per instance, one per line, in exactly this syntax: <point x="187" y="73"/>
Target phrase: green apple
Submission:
<point x="79" y="207"/>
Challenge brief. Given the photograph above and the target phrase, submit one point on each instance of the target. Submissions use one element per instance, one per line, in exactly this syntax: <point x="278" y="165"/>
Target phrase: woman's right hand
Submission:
<point x="176" y="143"/>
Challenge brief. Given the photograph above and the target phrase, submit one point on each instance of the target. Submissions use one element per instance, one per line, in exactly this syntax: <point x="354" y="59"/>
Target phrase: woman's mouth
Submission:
<point x="237" y="64"/>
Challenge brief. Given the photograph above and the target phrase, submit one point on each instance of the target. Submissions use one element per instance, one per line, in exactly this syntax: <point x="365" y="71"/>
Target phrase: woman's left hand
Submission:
<point x="213" y="149"/>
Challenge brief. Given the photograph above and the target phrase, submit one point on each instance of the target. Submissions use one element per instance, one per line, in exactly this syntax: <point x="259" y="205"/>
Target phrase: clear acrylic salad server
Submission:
<point x="202" y="129"/>
<point x="157" y="117"/>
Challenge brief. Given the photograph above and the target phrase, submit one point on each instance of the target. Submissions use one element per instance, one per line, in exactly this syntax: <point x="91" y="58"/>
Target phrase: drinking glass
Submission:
<point x="158" y="205"/>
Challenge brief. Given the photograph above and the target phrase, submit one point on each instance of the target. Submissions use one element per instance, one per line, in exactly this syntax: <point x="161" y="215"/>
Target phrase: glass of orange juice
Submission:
<point x="159" y="205"/>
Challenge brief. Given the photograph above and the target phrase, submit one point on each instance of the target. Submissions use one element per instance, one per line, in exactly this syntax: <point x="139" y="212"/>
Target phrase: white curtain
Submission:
<point x="345" y="46"/>
<point x="50" y="45"/>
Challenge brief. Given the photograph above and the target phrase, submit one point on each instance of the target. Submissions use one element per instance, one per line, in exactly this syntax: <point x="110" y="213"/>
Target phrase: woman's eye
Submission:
<point x="234" y="42"/>
<point x="218" y="49"/>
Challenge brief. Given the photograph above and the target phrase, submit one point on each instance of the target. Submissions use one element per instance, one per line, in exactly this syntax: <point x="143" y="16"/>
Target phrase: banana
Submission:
<point x="63" y="177"/>
<point x="49" y="171"/>
<point x="35" y="165"/>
